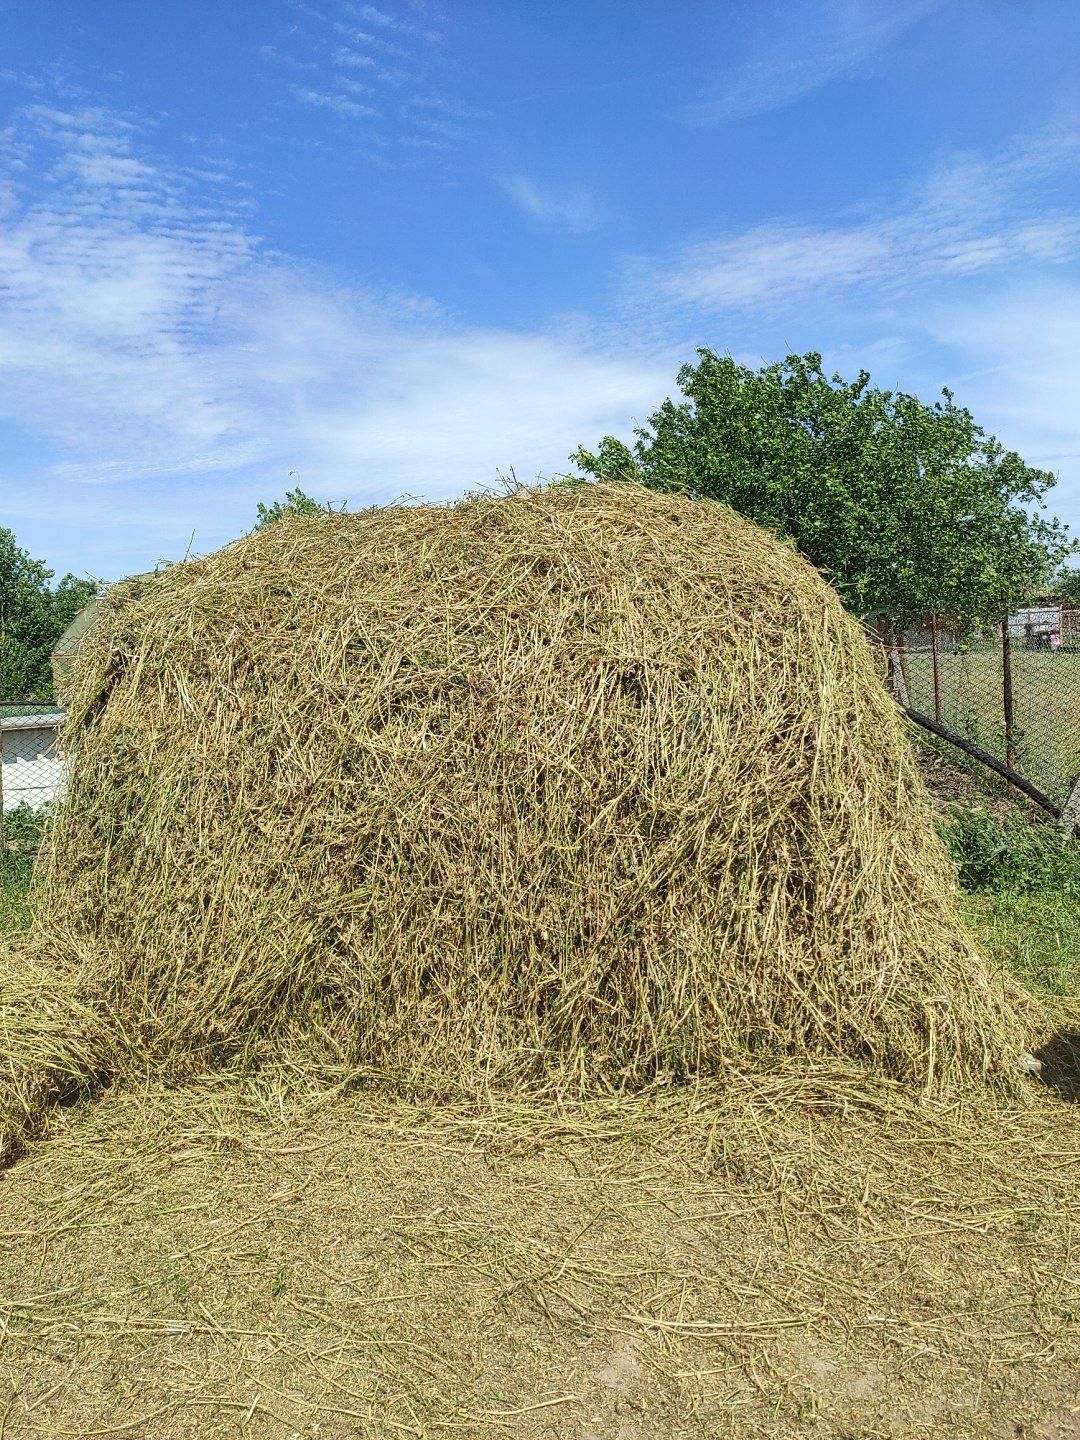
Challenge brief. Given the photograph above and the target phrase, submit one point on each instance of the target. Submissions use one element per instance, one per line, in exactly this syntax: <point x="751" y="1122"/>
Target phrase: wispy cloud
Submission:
<point x="1024" y="345"/>
<point x="395" y="23"/>
<point x="279" y="57"/>
<point x="109" y="280"/>
<point x="851" y="33"/>
<point x="340" y="104"/>
<point x="970" y="216"/>
<point x="558" y="207"/>
<point x="400" y="65"/>
<point x="375" y="42"/>
<point x="972" y="281"/>
<point x="148" y="340"/>
<point x="353" y="60"/>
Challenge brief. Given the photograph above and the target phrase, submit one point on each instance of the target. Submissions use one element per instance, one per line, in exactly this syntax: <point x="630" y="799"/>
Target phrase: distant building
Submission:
<point x="31" y="769"/>
<point x="1038" y="626"/>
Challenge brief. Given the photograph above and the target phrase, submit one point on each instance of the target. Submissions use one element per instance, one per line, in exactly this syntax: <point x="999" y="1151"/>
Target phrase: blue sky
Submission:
<point x="396" y="250"/>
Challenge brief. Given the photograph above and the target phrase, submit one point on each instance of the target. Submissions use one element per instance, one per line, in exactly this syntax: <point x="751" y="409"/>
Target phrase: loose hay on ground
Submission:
<point x="568" y="790"/>
<point x="796" y="1255"/>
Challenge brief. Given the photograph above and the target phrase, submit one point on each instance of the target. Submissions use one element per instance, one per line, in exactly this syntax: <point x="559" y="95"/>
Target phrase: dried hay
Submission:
<point x="804" y="1254"/>
<point x="572" y="789"/>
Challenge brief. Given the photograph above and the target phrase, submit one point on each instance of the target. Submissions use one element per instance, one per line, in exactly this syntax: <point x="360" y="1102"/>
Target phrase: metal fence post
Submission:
<point x="896" y="674"/>
<point x="901" y="654"/>
<point x="1007" y="692"/>
<point x="937" y="669"/>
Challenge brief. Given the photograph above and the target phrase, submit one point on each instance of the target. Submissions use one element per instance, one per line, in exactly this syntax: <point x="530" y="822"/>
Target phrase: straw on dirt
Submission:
<point x="574" y="789"/>
<point x="808" y="1253"/>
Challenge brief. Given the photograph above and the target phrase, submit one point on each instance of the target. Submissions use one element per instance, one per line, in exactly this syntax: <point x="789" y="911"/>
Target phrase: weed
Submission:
<point x="1014" y="855"/>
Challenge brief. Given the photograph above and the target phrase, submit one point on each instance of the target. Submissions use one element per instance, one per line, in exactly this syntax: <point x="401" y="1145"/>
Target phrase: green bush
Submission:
<point x="23" y="829"/>
<point x="1016" y="855"/>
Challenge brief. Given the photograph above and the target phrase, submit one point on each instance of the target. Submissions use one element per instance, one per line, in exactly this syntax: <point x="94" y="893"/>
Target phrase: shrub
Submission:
<point x="1016" y="855"/>
<point x="23" y="829"/>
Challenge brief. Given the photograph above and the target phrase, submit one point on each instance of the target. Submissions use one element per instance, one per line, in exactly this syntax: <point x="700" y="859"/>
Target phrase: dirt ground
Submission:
<point x="815" y="1256"/>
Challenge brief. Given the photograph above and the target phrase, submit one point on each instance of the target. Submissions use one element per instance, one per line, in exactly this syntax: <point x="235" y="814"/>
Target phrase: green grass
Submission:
<point x="1046" y="698"/>
<point x="1037" y="936"/>
<point x="15" y="908"/>
<point x="1021" y="875"/>
<point x="21" y="835"/>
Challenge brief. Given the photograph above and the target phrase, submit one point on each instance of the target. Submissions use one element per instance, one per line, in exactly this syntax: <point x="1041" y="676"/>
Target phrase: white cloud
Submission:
<point x="340" y="104"/>
<point x="971" y="281"/>
<point x="378" y="42"/>
<point x="970" y="216"/>
<point x="108" y="282"/>
<point x="377" y="17"/>
<point x="162" y="367"/>
<point x="271" y="52"/>
<point x="353" y="59"/>
<point x="853" y="32"/>
<point x="1023" y="344"/>
<point x="560" y="207"/>
<point x="397" y="75"/>
<point x="420" y="406"/>
<point x="374" y="16"/>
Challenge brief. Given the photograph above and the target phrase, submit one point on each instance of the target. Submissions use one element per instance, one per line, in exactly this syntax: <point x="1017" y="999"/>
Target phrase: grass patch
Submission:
<point x="15" y="908"/>
<point x="1036" y="936"/>
<point x="1046" y="697"/>
<point x="1021" y="877"/>
<point x="23" y="831"/>
<point x="1012" y="853"/>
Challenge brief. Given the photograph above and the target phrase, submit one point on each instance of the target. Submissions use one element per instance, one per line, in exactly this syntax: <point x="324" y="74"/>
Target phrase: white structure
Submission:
<point x="1034" y="621"/>
<point x="31" y="770"/>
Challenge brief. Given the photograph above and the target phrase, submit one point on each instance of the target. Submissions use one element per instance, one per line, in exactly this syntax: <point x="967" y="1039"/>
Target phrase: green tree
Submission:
<point x="909" y="509"/>
<point x="34" y="613"/>
<point x="1065" y="586"/>
<point x="295" y="503"/>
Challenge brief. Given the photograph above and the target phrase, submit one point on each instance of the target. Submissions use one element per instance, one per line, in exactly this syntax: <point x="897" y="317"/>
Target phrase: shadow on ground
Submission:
<point x="1060" y="1058"/>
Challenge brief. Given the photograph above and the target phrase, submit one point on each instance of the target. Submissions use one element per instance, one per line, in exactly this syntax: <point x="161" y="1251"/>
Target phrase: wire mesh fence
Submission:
<point x="31" y="768"/>
<point x="1014" y="692"/>
<point x="18" y="709"/>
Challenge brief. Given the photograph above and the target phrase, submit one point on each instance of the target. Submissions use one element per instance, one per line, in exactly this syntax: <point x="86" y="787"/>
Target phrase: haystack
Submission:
<point x="573" y="788"/>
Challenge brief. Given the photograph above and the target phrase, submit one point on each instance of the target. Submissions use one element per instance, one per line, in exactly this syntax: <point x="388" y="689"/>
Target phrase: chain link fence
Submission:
<point x="1014" y="693"/>
<point x="31" y="768"/>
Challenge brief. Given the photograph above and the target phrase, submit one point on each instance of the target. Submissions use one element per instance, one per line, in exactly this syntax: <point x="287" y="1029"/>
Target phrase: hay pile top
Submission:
<point x="575" y="788"/>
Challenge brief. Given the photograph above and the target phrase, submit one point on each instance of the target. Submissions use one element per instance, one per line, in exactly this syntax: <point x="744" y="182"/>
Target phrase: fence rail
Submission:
<point x="1017" y="698"/>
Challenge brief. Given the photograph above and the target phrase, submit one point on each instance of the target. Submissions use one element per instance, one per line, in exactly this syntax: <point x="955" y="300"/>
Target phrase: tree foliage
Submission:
<point x="909" y="509"/>
<point x="295" y="503"/>
<point x="1065" y="586"/>
<point x="34" y="613"/>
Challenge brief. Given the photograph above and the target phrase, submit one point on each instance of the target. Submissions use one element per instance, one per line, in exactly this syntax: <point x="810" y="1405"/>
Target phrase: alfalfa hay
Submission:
<point x="573" y="788"/>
